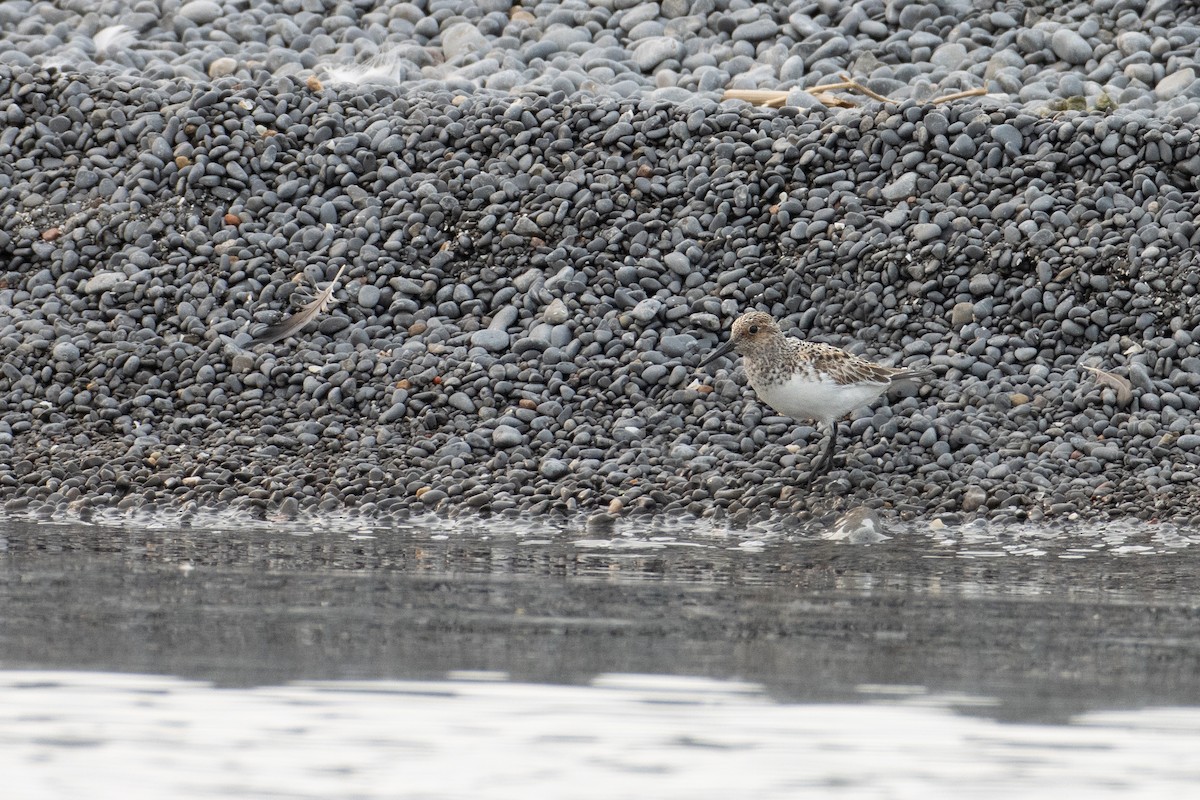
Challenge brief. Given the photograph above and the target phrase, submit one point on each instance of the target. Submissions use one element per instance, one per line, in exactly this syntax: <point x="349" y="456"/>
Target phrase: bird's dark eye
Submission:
<point x="753" y="329"/>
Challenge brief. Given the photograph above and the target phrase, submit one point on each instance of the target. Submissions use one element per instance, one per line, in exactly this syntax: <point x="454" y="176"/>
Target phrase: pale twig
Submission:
<point x="826" y="87"/>
<point x="775" y="99"/>
<point x="865" y="89"/>
<point x="976" y="92"/>
<point x="759" y="97"/>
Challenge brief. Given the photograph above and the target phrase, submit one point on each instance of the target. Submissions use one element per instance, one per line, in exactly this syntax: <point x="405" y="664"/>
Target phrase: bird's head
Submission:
<point x="751" y="330"/>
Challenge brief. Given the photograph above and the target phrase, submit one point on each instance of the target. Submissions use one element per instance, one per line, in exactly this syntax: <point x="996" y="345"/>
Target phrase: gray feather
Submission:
<point x="293" y="324"/>
<point x="1120" y="385"/>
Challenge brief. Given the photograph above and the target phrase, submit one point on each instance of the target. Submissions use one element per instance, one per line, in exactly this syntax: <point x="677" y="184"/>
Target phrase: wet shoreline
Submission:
<point x="1078" y="627"/>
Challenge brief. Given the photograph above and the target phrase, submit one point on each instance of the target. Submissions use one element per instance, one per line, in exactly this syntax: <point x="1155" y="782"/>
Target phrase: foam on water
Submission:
<point x="971" y="540"/>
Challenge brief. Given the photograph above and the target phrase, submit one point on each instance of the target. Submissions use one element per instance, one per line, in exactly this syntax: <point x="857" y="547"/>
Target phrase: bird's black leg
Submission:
<point x="825" y="460"/>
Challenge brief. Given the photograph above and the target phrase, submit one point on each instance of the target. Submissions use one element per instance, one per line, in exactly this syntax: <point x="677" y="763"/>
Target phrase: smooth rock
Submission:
<point x="102" y="282"/>
<point x="506" y="436"/>
<point x="974" y="498"/>
<point x="463" y="39"/>
<point x="201" y="12"/>
<point x="649" y="53"/>
<point x="1174" y="84"/>
<point x="491" y="340"/>
<point x="556" y="312"/>
<point x="926" y="231"/>
<point x="1070" y="46"/>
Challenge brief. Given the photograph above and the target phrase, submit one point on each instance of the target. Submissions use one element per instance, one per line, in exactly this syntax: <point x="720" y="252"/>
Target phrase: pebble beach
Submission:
<point x="546" y="214"/>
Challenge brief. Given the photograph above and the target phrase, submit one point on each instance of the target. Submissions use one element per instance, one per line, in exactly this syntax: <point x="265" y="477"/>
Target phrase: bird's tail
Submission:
<point x="918" y="375"/>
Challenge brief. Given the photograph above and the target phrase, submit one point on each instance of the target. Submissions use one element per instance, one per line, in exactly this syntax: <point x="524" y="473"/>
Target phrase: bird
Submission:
<point x="808" y="380"/>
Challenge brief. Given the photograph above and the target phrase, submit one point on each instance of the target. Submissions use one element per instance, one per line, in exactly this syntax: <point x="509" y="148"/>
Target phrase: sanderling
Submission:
<point x="808" y="380"/>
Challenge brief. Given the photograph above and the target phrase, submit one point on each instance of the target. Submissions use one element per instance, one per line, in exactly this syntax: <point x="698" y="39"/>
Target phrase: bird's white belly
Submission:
<point x="822" y="400"/>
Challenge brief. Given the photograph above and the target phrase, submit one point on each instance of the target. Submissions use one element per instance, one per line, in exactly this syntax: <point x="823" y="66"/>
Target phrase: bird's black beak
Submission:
<point x="715" y="354"/>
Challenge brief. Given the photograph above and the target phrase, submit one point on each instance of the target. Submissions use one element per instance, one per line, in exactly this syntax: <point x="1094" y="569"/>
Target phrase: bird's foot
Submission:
<point x="818" y="470"/>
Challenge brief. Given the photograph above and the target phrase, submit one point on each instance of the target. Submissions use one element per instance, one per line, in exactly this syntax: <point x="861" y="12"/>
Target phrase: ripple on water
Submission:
<point x="976" y="539"/>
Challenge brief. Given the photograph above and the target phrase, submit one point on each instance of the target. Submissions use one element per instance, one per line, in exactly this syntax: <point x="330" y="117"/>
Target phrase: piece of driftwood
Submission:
<point x="850" y="84"/>
<point x="293" y="324"/>
<point x="771" y="98"/>
<point x="776" y="98"/>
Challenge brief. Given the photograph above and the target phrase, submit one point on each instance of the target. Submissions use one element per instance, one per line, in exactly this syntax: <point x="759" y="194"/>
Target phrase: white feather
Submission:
<point x="385" y="68"/>
<point x="112" y="39"/>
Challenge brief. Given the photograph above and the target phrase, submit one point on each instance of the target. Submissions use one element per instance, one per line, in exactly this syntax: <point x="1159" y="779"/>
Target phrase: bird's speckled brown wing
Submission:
<point x="845" y="368"/>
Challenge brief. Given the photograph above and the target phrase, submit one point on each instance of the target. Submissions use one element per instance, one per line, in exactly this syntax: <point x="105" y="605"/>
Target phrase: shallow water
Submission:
<point x="214" y="657"/>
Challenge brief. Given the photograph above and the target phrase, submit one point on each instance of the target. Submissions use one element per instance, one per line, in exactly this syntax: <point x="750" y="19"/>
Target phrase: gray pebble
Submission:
<point x="493" y="341"/>
<point x="221" y="67"/>
<point x="649" y="53"/>
<point x="756" y="30"/>
<point x="368" y="296"/>
<point x="902" y="188"/>
<point x="1025" y="354"/>
<point x="1008" y="137"/>
<point x="982" y="285"/>
<point x="655" y="373"/>
<point x="556" y="313"/>
<point x="462" y="401"/>
<point x="1189" y="442"/>
<point x="201" y="12"/>
<point x="1070" y="46"/>
<point x="951" y="56"/>
<point x="926" y="231"/>
<point x="1176" y="83"/>
<point x="553" y="469"/>
<point x="505" y="437"/>
<point x="678" y="346"/>
<point x="66" y="352"/>
<point x="646" y="310"/>
<point x="1133" y="42"/>
<point x="973" y="499"/>
<point x="103" y="282"/>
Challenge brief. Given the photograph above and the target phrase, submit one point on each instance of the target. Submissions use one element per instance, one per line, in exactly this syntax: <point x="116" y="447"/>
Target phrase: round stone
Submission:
<point x="553" y="469"/>
<point x="973" y="499"/>
<point x="506" y="436"/>
<point x="221" y="67"/>
<point x="556" y="313"/>
<point x="66" y="352"/>
<point x="491" y="340"/>
<point x="926" y="231"/>
<point x="651" y="52"/>
<point x="1070" y="46"/>
<point x="201" y="12"/>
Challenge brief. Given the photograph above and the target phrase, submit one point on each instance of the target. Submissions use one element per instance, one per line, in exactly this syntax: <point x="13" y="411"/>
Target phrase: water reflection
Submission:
<point x="619" y="735"/>
<point x="1003" y="614"/>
